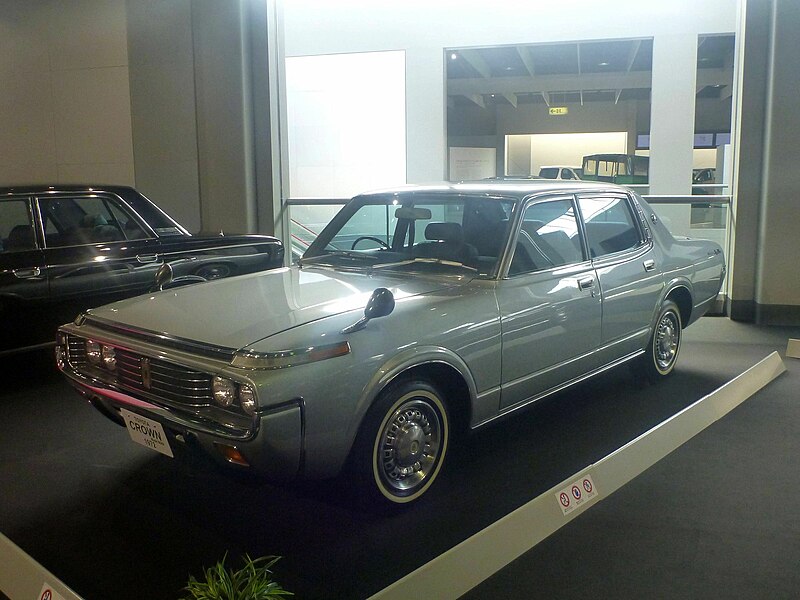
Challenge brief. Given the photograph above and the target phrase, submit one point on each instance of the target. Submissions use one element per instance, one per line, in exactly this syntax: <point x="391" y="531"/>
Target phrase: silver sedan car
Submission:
<point x="418" y="314"/>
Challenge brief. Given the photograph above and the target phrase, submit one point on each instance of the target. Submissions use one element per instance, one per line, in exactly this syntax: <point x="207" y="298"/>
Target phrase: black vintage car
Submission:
<point x="67" y="248"/>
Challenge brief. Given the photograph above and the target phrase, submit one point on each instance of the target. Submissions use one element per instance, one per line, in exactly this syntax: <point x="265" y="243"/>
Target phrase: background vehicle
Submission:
<point x="65" y="249"/>
<point x="616" y="168"/>
<point x="559" y="172"/>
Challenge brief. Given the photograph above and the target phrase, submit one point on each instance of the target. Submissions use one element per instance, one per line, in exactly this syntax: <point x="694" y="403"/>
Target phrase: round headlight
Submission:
<point x="109" y="358"/>
<point x="247" y="399"/>
<point x="93" y="352"/>
<point x="224" y="391"/>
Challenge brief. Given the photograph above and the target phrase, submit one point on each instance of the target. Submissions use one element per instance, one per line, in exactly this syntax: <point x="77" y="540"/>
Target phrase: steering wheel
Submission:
<point x="383" y="244"/>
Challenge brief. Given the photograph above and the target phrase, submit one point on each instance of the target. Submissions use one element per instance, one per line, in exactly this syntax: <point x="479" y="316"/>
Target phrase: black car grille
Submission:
<point x="172" y="382"/>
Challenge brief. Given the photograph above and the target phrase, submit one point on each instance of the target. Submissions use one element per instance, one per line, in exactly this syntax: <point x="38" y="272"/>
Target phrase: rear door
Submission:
<point x="549" y="303"/>
<point x="23" y="278"/>
<point x="630" y="278"/>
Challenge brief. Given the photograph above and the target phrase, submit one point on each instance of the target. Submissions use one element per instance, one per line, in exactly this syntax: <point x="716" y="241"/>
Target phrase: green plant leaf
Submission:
<point x="253" y="581"/>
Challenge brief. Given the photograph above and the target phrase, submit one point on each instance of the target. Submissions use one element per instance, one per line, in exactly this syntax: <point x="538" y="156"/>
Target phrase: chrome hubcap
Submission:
<point x="409" y="445"/>
<point x="666" y="341"/>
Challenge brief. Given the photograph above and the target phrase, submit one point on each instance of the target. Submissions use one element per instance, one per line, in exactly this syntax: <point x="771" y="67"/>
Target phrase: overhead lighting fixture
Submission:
<point x="509" y="68"/>
<point x="602" y="64"/>
<point x="453" y="56"/>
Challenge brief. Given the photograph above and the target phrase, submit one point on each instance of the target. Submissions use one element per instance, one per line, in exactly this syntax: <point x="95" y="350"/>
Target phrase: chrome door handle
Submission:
<point x="585" y="284"/>
<point x="649" y="265"/>
<point x="147" y="258"/>
<point x="27" y="273"/>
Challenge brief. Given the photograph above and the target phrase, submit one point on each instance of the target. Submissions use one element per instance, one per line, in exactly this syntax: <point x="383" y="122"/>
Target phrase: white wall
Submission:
<point x="346" y="120"/>
<point x="424" y="29"/>
<point x="65" y="112"/>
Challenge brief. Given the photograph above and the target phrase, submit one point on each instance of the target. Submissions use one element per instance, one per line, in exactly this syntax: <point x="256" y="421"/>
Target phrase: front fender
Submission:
<point x="402" y="362"/>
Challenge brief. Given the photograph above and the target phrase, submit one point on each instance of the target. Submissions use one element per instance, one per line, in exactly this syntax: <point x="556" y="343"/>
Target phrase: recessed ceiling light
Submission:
<point x="602" y="64"/>
<point x="509" y="68"/>
<point x="453" y="56"/>
<point x="492" y="95"/>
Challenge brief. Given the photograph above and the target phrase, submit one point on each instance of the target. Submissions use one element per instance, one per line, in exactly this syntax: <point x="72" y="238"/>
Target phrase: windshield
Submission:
<point x="415" y="232"/>
<point x="549" y="172"/>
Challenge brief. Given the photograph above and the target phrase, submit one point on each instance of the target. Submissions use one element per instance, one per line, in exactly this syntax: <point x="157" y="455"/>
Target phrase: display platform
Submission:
<point x="111" y="519"/>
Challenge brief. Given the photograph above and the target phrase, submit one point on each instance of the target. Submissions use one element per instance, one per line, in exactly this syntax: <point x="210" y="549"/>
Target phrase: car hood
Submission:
<point x="240" y="311"/>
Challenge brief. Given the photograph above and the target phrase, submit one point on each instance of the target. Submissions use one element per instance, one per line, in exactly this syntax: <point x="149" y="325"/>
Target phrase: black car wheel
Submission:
<point x="215" y="271"/>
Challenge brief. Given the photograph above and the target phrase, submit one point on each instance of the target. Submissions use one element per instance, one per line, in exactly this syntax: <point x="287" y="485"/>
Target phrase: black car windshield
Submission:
<point x="416" y="232"/>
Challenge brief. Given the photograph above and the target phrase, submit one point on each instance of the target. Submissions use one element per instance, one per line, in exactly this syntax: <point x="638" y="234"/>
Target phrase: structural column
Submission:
<point x="426" y="148"/>
<point x="674" y="83"/>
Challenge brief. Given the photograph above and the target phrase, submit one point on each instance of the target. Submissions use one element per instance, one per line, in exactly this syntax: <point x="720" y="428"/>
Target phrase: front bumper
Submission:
<point x="272" y="446"/>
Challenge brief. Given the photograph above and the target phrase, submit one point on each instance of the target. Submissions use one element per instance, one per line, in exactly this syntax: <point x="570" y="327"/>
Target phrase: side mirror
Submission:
<point x="380" y="304"/>
<point x="163" y="277"/>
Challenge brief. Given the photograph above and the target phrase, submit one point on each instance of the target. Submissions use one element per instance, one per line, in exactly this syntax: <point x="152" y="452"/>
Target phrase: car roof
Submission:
<point x="73" y="187"/>
<point x="509" y="188"/>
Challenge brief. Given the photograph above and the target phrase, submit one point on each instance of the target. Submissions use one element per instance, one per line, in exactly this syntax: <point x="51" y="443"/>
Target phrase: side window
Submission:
<point x="129" y="225"/>
<point x="547" y="238"/>
<point x="609" y="225"/>
<point x="16" y="228"/>
<point x="86" y="220"/>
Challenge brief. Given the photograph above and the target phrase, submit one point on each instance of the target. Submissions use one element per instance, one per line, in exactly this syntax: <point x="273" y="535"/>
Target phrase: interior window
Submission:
<point x="609" y="225"/>
<point x="548" y="237"/>
<point x="16" y="228"/>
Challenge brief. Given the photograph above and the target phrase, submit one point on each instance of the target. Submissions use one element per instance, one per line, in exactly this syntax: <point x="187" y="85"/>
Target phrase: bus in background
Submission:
<point x="616" y="168"/>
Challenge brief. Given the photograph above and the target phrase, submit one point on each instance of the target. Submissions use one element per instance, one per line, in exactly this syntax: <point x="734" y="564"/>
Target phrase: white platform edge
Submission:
<point x="464" y="566"/>
<point x="22" y="578"/>
<point x="793" y="348"/>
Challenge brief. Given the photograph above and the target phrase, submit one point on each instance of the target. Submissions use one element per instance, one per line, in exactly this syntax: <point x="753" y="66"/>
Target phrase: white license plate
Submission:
<point x="146" y="432"/>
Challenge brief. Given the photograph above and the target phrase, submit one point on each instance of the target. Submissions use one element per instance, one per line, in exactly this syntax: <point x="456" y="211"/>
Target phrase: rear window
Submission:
<point x="548" y="173"/>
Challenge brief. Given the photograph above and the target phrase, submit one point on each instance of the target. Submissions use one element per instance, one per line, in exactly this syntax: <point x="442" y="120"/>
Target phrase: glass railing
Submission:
<point x="307" y="217"/>
<point x="698" y="216"/>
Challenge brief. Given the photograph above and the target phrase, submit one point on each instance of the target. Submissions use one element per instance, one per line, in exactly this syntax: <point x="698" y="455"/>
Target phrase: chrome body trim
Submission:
<point x="558" y="388"/>
<point x="301" y="356"/>
<point x="203" y="349"/>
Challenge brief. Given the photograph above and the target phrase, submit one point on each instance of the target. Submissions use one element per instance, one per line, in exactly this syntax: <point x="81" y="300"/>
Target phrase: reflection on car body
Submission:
<point x="418" y="314"/>
<point x="65" y="249"/>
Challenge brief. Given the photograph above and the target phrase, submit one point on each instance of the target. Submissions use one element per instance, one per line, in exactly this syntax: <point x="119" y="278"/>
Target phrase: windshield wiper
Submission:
<point x="420" y="259"/>
<point x="343" y="253"/>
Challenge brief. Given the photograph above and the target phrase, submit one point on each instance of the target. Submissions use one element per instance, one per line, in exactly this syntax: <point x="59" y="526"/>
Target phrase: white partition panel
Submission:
<point x="346" y="123"/>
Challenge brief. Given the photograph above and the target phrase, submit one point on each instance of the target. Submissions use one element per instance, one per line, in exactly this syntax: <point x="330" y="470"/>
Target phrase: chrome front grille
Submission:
<point x="152" y="376"/>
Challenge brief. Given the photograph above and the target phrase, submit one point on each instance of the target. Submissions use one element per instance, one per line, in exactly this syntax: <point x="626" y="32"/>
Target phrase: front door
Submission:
<point x="96" y="250"/>
<point x="550" y="306"/>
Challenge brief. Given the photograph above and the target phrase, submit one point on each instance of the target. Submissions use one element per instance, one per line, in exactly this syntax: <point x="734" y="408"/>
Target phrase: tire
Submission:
<point x="213" y="271"/>
<point x="665" y="343"/>
<point x="402" y="443"/>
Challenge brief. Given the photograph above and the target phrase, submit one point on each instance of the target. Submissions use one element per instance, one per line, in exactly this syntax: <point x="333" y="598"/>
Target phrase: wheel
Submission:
<point x="214" y="271"/>
<point x="383" y="244"/>
<point x="665" y="342"/>
<point x="403" y="441"/>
